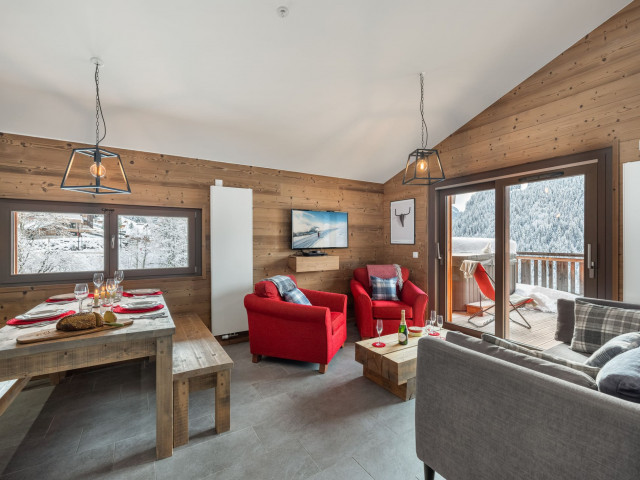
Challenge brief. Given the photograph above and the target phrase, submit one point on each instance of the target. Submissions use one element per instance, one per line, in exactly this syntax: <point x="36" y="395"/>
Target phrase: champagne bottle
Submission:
<point x="403" y="337"/>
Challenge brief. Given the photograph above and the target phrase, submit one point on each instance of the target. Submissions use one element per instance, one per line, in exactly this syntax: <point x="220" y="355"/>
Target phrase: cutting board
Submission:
<point x="45" y="335"/>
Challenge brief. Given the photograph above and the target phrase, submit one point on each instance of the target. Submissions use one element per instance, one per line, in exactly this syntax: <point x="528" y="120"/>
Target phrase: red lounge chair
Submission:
<point x="486" y="284"/>
<point x="297" y="332"/>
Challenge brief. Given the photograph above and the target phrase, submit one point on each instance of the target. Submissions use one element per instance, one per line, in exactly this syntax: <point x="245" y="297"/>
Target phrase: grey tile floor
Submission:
<point x="287" y="422"/>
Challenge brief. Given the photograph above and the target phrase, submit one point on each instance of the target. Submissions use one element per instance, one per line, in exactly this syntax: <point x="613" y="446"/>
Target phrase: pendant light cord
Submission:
<point x="423" y="128"/>
<point x="99" y="114"/>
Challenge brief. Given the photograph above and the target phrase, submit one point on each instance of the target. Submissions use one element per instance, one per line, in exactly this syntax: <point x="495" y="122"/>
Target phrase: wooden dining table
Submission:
<point x="144" y="338"/>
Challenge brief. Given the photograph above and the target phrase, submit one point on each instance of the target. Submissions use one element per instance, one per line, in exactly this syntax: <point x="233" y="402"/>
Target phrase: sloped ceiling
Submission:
<point x="331" y="89"/>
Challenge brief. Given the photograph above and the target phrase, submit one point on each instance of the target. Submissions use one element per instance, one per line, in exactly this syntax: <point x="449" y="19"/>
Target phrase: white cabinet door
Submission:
<point x="631" y="227"/>
<point x="231" y="258"/>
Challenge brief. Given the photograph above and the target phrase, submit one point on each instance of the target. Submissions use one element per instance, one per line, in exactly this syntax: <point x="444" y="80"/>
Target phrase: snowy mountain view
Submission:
<point x="545" y="216"/>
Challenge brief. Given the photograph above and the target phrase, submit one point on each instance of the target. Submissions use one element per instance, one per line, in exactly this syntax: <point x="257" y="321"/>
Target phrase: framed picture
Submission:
<point x="403" y="222"/>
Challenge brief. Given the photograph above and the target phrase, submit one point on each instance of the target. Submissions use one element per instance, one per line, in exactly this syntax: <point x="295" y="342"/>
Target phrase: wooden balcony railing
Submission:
<point x="559" y="271"/>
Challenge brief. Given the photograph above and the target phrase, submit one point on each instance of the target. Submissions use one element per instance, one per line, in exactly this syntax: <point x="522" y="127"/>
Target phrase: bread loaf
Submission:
<point x="80" y="321"/>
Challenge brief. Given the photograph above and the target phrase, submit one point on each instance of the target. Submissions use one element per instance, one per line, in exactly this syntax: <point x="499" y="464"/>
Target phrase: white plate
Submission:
<point x="63" y="296"/>
<point x="142" y="291"/>
<point x="45" y="313"/>
<point x="141" y="304"/>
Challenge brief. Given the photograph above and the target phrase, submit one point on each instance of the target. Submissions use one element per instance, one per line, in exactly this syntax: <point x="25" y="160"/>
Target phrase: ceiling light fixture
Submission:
<point x="96" y="170"/>
<point x="423" y="165"/>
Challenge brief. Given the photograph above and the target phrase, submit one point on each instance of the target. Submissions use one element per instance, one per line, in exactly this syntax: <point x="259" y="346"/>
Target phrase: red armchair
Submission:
<point x="412" y="300"/>
<point x="297" y="332"/>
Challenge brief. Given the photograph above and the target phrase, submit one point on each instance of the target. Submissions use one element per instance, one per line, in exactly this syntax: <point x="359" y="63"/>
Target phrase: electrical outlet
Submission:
<point x="415" y="254"/>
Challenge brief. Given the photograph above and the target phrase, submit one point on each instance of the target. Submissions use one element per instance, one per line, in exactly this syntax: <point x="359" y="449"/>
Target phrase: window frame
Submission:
<point x="110" y="212"/>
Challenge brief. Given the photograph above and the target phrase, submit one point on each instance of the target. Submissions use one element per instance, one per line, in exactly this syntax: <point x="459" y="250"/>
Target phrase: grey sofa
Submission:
<point x="478" y="417"/>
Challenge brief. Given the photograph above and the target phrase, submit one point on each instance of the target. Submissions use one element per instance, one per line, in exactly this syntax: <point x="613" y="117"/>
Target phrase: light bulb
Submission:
<point x="97" y="173"/>
<point x="422" y="164"/>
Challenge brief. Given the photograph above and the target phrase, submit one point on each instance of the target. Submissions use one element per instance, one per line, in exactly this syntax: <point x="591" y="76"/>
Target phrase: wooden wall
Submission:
<point x="32" y="168"/>
<point x="585" y="99"/>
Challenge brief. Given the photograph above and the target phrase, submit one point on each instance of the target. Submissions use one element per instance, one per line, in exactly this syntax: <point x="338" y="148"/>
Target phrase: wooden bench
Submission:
<point x="9" y="390"/>
<point x="199" y="362"/>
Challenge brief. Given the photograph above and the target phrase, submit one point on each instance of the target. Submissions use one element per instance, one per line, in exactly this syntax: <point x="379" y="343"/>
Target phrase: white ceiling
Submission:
<point x="331" y="89"/>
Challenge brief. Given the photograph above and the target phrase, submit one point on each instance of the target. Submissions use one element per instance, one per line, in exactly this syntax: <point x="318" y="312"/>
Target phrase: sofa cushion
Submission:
<point x="296" y="296"/>
<point x="523" y="360"/>
<point x="384" y="288"/>
<point x="563" y="350"/>
<point x="388" y="310"/>
<point x="565" y="321"/>
<point x="597" y="324"/>
<point x="337" y="320"/>
<point x="579" y="365"/>
<point x="613" y="348"/>
<point x="620" y="376"/>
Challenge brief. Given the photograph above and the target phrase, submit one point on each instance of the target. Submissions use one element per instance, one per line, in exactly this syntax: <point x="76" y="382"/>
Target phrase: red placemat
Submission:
<point x="66" y="299"/>
<point x="119" y="309"/>
<point x="127" y="294"/>
<point x="15" y="321"/>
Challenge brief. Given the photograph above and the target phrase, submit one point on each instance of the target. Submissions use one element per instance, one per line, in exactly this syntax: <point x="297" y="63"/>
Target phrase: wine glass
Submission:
<point x="81" y="292"/>
<point x="118" y="276"/>
<point x="379" y="343"/>
<point x="440" y="322"/>
<point x="432" y="321"/>
<point x="98" y="279"/>
<point x="111" y="286"/>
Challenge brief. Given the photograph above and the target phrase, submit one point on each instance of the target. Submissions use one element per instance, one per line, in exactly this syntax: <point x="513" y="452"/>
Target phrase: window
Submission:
<point x="48" y="242"/>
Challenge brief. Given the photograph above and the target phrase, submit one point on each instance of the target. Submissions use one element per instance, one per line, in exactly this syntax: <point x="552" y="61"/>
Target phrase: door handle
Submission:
<point x="113" y="241"/>
<point x="438" y="253"/>
<point x="591" y="264"/>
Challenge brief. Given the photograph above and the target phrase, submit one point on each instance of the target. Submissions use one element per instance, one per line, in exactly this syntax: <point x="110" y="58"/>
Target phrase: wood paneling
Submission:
<point x="585" y="99"/>
<point x="31" y="168"/>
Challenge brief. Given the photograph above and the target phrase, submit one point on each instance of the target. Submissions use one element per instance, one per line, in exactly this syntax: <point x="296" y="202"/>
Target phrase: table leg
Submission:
<point x="223" y="401"/>
<point x="164" y="397"/>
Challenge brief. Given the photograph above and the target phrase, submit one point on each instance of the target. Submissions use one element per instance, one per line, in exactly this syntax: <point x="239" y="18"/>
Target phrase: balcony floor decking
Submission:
<point x="543" y="327"/>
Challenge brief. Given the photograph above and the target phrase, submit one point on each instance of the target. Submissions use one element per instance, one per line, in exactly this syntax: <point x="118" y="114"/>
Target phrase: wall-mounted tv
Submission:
<point x="319" y="229"/>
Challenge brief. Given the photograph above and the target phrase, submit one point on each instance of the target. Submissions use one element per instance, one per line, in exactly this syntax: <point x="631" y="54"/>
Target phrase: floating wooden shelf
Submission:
<point x="299" y="263"/>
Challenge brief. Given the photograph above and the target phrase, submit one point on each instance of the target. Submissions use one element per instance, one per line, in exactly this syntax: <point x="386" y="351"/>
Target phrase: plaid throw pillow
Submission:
<point x="614" y="347"/>
<point x="597" y="324"/>
<point x="592" y="371"/>
<point x="296" y="296"/>
<point x="384" y="288"/>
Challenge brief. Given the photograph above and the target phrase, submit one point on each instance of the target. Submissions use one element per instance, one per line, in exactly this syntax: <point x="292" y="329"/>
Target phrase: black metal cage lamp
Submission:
<point x="423" y="164"/>
<point x="95" y="170"/>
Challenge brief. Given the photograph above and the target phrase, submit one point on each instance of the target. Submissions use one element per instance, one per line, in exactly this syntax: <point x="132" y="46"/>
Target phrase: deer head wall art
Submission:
<point x="403" y="213"/>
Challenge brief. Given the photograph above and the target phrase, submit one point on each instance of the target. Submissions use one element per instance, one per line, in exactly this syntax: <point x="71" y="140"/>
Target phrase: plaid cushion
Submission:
<point x="384" y="288"/>
<point x="597" y="324"/>
<point x="296" y="296"/>
<point x="592" y="371"/>
<point x="613" y="348"/>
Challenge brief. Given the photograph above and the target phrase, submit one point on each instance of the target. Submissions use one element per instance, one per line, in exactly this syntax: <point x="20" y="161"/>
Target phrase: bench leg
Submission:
<point x="223" y="401"/>
<point x="323" y="368"/>
<point x="429" y="473"/>
<point x="256" y="358"/>
<point x="180" y="412"/>
<point x="56" y="378"/>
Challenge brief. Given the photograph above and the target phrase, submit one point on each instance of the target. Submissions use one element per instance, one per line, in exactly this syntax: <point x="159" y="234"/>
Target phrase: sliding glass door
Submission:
<point x="508" y="248"/>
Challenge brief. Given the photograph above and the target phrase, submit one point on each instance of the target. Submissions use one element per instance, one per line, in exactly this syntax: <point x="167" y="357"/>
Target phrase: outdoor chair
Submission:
<point x="486" y="284"/>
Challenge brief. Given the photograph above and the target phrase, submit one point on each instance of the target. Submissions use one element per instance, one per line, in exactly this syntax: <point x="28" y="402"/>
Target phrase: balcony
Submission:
<point x="545" y="277"/>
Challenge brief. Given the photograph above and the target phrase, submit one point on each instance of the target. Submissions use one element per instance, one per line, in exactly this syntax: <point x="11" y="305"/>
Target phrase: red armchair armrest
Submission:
<point x="418" y="300"/>
<point x="336" y="302"/>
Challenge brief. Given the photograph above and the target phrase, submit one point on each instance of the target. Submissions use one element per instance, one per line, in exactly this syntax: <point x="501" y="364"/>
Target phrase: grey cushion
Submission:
<point x="523" y="360"/>
<point x="579" y="365"/>
<point x="613" y="348"/>
<point x="620" y="376"/>
<point x="563" y="350"/>
<point x="565" y="321"/>
<point x="597" y="324"/>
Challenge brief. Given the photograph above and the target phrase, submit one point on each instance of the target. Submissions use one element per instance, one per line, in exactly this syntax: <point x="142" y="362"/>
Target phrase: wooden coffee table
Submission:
<point x="393" y="367"/>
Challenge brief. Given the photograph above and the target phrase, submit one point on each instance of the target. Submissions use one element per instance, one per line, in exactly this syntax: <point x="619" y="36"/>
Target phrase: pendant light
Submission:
<point x="423" y="165"/>
<point x="95" y="170"/>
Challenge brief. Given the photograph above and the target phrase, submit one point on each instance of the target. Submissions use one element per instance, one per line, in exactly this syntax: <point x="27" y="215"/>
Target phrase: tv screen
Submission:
<point x="319" y="229"/>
